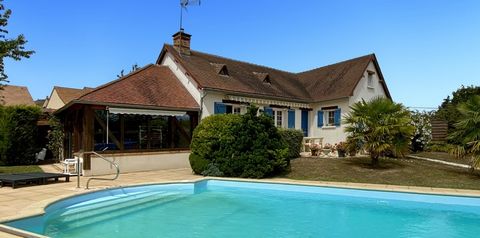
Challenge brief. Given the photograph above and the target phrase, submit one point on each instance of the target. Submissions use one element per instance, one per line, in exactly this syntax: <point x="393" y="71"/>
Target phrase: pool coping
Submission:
<point x="38" y="208"/>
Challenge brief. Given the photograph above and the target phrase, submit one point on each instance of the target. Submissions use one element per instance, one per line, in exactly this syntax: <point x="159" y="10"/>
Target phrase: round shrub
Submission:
<point x="238" y="146"/>
<point x="293" y="138"/>
<point x="211" y="139"/>
<point x="198" y="164"/>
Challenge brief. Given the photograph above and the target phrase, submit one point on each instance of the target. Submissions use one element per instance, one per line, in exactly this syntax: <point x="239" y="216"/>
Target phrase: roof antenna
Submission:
<point x="183" y="6"/>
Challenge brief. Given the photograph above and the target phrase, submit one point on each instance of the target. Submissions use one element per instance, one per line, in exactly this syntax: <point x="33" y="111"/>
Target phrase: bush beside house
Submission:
<point x="238" y="146"/>
<point x="18" y="134"/>
<point x="55" y="137"/>
<point x="423" y="130"/>
<point x="212" y="138"/>
<point x="293" y="138"/>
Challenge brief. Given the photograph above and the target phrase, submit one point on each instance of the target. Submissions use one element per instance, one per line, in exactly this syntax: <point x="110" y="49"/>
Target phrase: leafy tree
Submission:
<point x="13" y="48"/>
<point x="467" y="130"/>
<point x="379" y="126"/>
<point x="18" y="134"/>
<point x="449" y="112"/>
<point x="55" y="137"/>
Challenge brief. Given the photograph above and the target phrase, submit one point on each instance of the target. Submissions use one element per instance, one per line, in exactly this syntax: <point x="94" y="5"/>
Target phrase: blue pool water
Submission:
<point x="216" y="208"/>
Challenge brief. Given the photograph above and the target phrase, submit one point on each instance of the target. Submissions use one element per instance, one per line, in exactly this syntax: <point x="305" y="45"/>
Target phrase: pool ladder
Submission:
<point x="109" y="161"/>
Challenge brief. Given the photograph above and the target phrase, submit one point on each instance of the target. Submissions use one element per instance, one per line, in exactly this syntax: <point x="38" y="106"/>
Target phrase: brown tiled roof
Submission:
<point x="242" y="77"/>
<point x="336" y="80"/>
<point x="324" y="83"/>
<point x="12" y="95"/>
<point x="69" y="94"/>
<point x="150" y="86"/>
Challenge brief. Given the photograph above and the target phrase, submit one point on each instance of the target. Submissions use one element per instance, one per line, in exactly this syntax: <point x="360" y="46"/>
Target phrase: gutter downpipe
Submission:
<point x="204" y="94"/>
<point x="108" y="119"/>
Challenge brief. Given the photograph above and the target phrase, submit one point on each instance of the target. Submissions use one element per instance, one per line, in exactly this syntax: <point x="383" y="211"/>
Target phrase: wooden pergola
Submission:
<point x="80" y="119"/>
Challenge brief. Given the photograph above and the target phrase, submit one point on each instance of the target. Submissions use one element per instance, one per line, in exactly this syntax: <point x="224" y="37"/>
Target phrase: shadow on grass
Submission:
<point x="365" y="163"/>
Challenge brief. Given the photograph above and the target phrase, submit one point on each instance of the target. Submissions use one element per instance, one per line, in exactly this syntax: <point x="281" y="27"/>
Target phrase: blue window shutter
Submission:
<point x="320" y="118"/>
<point x="304" y="123"/>
<point x="219" y="108"/>
<point x="269" y="111"/>
<point x="291" y="118"/>
<point x="338" y="117"/>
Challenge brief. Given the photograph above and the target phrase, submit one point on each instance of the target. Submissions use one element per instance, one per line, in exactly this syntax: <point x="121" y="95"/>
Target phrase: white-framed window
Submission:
<point x="278" y="117"/>
<point x="330" y="118"/>
<point x="370" y="79"/>
<point x="237" y="110"/>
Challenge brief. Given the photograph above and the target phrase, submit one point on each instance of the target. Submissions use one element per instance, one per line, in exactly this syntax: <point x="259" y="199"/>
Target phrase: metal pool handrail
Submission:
<point x="111" y="162"/>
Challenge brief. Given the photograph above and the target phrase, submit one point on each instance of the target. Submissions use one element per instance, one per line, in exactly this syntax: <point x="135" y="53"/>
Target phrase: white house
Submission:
<point x="313" y="101"/>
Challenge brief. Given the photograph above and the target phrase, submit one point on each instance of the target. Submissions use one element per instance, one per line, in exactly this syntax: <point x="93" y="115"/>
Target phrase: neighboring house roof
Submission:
<point x="325" y="83"/>
<point x="40" y="102"/>
<point x="69" y="94"/>
<point x="15" y="95"/>
<point x="151" y="86"/>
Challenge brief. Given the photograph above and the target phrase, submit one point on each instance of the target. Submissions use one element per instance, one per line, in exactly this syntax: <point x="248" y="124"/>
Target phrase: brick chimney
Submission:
<point x="181" y="42"/>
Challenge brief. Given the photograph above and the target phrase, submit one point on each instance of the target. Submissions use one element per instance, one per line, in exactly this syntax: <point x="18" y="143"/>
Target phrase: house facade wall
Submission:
<point x="330" y="134"/>
<point x="362" y="91"/>
<point x="208" y="103"/>
<point x="210" y="98"/>
<point x="137" y="162"/>
<point x="182" y="76"/>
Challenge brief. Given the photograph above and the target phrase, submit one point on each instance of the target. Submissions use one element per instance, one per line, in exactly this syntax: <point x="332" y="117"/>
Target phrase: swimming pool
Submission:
<point x="217" y="208"/>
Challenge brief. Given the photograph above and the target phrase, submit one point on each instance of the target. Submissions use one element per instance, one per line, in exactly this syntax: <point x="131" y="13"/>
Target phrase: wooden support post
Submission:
<point x="88" y="132"/>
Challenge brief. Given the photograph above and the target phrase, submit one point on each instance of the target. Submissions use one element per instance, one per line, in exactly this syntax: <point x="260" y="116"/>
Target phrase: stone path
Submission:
<point x="440" y="161"/>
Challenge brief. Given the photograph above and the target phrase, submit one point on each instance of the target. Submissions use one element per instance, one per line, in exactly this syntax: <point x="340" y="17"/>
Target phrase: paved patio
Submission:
<point x="31" y="200"/>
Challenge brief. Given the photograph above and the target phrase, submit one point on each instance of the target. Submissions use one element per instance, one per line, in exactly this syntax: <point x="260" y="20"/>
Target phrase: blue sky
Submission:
<point x="426" y="49"/>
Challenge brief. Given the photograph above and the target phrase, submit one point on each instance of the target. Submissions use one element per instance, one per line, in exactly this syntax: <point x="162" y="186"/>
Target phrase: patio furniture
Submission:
<point x="28" y="178"/>
<point x="309" y="141"/>
<point x="70" y="166"/>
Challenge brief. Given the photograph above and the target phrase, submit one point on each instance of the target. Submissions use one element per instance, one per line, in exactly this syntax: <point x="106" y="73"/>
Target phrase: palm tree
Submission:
<point x="379" y="126"/>
<point x="467" y="130"/>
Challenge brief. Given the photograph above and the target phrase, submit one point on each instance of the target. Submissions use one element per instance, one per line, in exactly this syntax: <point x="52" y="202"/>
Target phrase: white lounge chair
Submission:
<point x="70" y="166"/>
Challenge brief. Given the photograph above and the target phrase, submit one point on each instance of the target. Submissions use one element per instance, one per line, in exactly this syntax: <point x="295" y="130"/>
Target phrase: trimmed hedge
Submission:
<point x="293" y="138"/>
<point x="18" y="134"/>
<point x="238" y="146"/>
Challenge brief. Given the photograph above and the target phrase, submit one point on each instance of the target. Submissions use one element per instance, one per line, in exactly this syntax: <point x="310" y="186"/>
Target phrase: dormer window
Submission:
<point x="224" y="71"/>
<point x="220" y="69"/>
<point x="265" y="77"/>
<point x="370" y="79"/>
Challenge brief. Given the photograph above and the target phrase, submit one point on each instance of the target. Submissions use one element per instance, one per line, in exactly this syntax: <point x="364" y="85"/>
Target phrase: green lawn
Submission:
<point x="20" y="169"/>
<point x="408" y="172"/>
